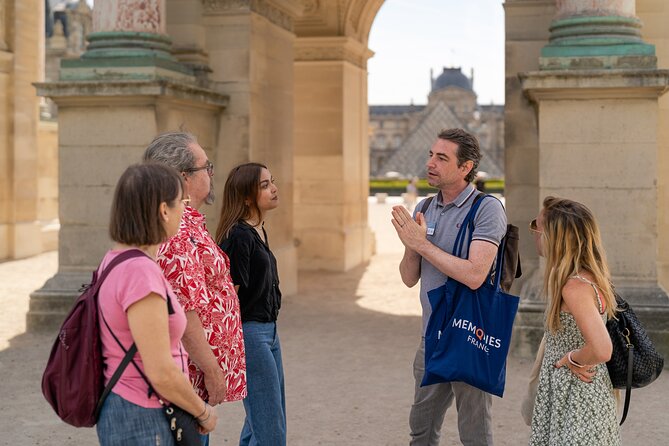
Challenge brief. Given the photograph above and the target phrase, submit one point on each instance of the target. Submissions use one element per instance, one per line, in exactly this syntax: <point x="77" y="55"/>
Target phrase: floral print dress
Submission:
<point x="568" y="411"/>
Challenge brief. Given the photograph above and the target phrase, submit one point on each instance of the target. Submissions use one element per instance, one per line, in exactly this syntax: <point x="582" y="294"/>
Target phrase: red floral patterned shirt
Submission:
<point x="199" y="272"/>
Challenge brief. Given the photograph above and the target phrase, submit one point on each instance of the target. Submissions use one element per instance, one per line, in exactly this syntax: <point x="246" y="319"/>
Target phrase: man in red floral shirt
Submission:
<point x="199" y="272"/>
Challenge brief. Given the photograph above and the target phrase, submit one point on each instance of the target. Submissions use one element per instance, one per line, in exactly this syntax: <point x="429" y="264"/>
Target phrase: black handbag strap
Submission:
<point x="126" y="255"/>
<point x="128" y="358"/>
<point x="115" y="377"/>
<point x="628" y="388"/>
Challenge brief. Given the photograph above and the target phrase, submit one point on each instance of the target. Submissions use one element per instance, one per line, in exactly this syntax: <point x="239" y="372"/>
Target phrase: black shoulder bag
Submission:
<point x="634" y="362"/>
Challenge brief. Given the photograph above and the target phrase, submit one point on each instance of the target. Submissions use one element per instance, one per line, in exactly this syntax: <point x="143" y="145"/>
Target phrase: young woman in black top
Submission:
<point x="248" y="195"/>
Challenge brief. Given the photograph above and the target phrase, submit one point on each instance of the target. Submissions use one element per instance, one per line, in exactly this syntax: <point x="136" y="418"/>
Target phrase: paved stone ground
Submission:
<point x="348" y="343"/>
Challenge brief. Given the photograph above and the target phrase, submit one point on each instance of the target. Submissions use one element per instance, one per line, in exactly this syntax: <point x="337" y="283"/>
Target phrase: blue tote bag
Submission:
<point x="469" y="332"/>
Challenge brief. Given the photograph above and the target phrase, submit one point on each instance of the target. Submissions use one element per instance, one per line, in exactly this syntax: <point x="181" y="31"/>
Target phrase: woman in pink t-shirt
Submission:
<point x="138" y="306"/>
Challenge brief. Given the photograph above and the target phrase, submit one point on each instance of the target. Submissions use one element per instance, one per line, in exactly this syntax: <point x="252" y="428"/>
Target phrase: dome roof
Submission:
<point x="452" y="77"/>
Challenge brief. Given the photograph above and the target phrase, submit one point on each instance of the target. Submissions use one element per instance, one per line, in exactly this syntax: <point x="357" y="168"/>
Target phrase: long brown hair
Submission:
<point x="240" y="197"/>
<point x="572" y="244"/>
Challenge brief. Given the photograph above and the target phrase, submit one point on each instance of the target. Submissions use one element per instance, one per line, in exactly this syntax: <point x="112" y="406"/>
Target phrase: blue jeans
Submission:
<point x="265" y="405"/>
<point x="123" y="423"/>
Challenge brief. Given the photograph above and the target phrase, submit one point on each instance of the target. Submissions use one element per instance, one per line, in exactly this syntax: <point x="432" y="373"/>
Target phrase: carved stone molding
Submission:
<point x="265" y="8"/>
<point x="311" y="49"/>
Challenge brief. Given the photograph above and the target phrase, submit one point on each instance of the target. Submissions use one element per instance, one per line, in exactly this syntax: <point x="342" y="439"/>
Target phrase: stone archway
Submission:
<point x="331" y="121"/>
<point x="285" y="81"/>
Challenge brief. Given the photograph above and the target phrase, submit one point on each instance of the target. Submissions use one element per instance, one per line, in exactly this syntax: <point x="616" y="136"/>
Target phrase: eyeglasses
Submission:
<point x="534" y="227"/>
<point x="209" y="166"/>
<point x="186" y="201"/>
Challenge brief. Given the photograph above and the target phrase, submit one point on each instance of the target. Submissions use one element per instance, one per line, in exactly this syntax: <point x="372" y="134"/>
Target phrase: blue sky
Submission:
<point x="411" y="36"/>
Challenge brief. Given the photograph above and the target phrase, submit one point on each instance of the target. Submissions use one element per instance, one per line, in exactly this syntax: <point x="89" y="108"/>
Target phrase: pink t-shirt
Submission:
<point x="129" y="282"/>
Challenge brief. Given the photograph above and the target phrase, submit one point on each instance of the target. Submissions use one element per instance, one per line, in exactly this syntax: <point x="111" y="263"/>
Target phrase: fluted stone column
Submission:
<point x="596" y="98"/>
<point x="125" y="89"/>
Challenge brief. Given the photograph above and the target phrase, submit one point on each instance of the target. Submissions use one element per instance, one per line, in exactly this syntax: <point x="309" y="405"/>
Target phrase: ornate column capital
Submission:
<point x="280" y="12"/>
<point x="312" y="49"/>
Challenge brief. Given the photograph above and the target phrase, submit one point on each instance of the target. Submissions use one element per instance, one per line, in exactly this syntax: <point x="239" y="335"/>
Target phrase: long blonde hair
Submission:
<point x="572" y="244"/>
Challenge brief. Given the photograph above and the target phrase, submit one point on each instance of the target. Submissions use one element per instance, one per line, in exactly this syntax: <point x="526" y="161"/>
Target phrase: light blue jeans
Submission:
<point x="123" y="423"/>
<point x="265" y="405"/>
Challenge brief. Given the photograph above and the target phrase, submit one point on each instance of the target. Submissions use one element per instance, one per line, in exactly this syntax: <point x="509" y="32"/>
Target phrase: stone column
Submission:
<point x="21" y="62"/>
<point x="596" y="97"/>
<point x="331" y="153"/>
<point x="185" y="27"/>
<point x="596" y="34"/>
<point x="250" y="47"/>
<point x="3" y="26"/>
<point x="125" y="89"/>
<point x="128" y="41"/>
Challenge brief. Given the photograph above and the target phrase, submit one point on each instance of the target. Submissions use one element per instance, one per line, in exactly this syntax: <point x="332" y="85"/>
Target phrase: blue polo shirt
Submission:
<point x="444" y="221"/>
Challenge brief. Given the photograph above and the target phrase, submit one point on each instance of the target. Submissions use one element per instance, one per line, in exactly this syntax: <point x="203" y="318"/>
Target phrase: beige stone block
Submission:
<point x="316" y="216"/>
<point x="644" y="7"/>
<point x="320" y="192"/>
<point x="49" y="236"/>
<point x="5" y="241"/>
<point x="522" y="56"/>
<point x="523" y="203"/>
<point x="628" y="223"/>
<point x="318" y="167"/>
<point x="27" y="239"/>
<point x="230" y="65"/>
<point x="83" y="205"/>
<point x="286" y="259"/>
<point x="598" y="121"/>
<point x="82" y="247"/>
<point x="528" y="20"/>
<point x="107" y="126"/>
<point x="97" y="172"/>
<point x="173" y="116"/>
<point x="321" y="249"/>
<point x="355" y="246"/>
<point x="622" y="210"/>
<point x="598" y="165"/>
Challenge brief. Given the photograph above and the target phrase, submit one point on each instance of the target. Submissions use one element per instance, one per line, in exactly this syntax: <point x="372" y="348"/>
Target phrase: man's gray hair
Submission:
<point x="172" y="149"/>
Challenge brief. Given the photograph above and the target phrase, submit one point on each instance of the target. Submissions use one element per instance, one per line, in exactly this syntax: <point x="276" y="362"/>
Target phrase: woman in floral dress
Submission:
<point x="575" y="403"/>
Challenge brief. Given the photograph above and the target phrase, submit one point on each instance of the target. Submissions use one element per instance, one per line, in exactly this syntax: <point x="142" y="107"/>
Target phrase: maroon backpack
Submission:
<point x="73" y="380"/>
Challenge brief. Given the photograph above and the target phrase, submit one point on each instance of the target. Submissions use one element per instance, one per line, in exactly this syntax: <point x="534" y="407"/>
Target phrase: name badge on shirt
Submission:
<point x="430" y="229"/>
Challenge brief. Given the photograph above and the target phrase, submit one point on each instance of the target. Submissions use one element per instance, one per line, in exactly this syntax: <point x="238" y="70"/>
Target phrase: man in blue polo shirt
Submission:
<point x="428" y="240"/>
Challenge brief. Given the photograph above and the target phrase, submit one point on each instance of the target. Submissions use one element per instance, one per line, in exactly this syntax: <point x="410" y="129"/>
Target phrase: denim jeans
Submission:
<point x="265" y="405"/>
<point x="123" y="423"/>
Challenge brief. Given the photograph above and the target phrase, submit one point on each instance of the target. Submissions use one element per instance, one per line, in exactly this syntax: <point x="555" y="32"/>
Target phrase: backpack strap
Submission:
<point x="426" y="204"/>
<point x="122" y="257"/>
<point x="428" y="200"/>
<point x="128" y="358"/>
<point x="97" y="283"/>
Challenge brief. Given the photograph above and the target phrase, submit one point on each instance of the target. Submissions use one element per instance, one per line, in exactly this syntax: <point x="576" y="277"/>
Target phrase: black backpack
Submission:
<point x="511" y="269"/>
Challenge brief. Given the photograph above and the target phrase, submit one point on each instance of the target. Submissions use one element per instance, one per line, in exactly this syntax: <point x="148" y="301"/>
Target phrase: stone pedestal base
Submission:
<point x="650" y="305"/>
<point x="104" y="126"/>
<point x="598" y="144"/>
